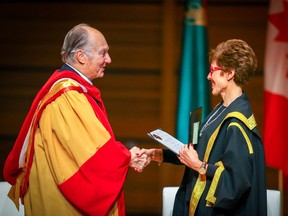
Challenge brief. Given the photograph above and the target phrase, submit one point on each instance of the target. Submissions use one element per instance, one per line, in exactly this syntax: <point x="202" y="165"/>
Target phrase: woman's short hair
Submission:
<point x="237" y="54"/>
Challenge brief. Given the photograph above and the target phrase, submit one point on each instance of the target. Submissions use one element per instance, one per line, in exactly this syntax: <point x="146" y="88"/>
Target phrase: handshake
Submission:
<point x="140" y="158"/>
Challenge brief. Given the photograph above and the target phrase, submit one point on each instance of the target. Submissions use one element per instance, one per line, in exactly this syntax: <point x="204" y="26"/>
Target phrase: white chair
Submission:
<point x="7" y="207"/>
<point x="168" y="195"/>
<point x="273" y="201"/>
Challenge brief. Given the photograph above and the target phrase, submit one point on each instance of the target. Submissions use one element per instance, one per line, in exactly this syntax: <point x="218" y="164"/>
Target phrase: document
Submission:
<point x="167" y="140"/>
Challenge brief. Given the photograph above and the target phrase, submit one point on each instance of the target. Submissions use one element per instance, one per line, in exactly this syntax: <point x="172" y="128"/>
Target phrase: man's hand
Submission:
<point x="139" y="159"/>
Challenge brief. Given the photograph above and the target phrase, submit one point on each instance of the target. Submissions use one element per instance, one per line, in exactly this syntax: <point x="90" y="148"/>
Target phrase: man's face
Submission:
<point x="96" y="65"/>
<point x="98" y="57"/>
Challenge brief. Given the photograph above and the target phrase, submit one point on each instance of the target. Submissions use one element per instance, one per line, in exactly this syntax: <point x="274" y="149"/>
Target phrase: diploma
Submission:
<point x="166" y="139"/>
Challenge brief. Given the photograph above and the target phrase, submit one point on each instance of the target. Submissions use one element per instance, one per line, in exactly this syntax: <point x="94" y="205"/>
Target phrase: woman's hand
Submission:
<point x="154" y="154"/>
<point x="189" y="157"/>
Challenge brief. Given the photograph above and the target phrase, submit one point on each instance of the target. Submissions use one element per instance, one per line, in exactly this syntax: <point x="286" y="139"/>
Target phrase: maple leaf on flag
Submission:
<point x="280" y="21"/>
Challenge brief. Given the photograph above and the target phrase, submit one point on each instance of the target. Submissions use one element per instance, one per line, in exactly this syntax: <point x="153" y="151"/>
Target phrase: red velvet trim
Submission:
<point x="99" y="182"/>
<point x="11" y="166"/>
<point x="97" y="176"/>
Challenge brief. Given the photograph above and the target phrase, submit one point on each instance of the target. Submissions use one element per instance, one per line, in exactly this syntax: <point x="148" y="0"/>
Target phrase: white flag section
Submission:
<point x="276" y="57"/>
<point x="276" y="87"/>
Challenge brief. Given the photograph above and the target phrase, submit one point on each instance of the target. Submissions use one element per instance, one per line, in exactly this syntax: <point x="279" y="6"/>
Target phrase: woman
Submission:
<point x="225" y="172"/>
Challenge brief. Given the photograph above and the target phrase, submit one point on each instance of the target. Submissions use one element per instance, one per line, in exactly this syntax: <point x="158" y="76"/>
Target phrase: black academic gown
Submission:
<point x="236" y="166"/>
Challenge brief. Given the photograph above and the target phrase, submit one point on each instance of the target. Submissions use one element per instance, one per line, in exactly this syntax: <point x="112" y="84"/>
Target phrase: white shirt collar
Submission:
<point x="80" y="74"/>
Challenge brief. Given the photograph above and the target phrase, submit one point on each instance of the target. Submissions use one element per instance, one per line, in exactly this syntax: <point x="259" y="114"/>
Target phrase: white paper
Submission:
<point x="167" y="140"/>
<point x="195" y="133"/>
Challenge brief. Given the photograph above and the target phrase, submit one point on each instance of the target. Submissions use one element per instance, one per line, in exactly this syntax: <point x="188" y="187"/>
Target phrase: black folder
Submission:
<point x="194" y="125"/>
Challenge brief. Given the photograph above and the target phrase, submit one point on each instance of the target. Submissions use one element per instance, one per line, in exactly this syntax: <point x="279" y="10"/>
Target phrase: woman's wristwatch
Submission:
<point x="202" y="170"/>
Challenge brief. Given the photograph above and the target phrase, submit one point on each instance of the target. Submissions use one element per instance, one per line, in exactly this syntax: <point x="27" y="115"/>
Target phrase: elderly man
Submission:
<point x="66" y="160"/>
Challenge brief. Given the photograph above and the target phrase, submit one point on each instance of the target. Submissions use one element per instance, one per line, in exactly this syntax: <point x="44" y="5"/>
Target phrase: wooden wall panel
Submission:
<point x="133" y="103"/>
<point x="37" y="30"/>
<point x="33" y="35"/>
<point x="31" y="38"/>
<point x="247" y="22"/>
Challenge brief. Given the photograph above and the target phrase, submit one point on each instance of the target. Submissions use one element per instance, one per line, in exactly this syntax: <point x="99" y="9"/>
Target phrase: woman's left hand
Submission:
<point x="189" y="157"/>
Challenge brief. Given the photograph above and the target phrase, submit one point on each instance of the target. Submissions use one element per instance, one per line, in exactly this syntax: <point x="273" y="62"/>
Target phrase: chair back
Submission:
<point x="7" y="207"/>
<point x="273" y="201"/>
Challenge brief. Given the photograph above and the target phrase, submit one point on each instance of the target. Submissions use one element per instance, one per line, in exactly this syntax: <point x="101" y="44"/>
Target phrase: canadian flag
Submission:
<point x="275" y="134"/>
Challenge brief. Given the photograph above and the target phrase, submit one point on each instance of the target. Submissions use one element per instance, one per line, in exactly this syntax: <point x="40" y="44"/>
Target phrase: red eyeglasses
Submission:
<point x="212" y="69"/>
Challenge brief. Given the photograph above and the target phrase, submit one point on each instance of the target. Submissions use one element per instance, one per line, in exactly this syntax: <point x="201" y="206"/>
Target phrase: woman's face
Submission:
<point x="217" y="78"/>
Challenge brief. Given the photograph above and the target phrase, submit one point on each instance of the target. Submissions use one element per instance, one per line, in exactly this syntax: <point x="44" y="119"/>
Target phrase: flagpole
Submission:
<point x="281" y="189"/>
<point x="194" y="88"/>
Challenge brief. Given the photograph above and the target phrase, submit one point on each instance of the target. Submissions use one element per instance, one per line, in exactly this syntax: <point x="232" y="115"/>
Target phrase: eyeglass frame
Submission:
<point x="212" y="69"/>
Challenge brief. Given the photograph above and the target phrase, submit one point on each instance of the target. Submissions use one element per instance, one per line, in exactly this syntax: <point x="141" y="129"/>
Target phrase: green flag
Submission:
<point x="194" y="88"/>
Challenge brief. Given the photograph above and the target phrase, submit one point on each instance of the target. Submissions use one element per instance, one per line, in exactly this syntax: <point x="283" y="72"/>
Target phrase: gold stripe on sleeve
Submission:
<point x="249" y="145"/>
<point x="210" y="198"/>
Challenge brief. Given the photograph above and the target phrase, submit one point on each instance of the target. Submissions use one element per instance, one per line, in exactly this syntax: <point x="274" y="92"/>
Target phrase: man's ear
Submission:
<point x="80" y="56"/>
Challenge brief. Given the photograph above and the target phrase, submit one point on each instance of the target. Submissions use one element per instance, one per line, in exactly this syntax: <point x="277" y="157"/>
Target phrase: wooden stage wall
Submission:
<point x="139" y="87"/>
